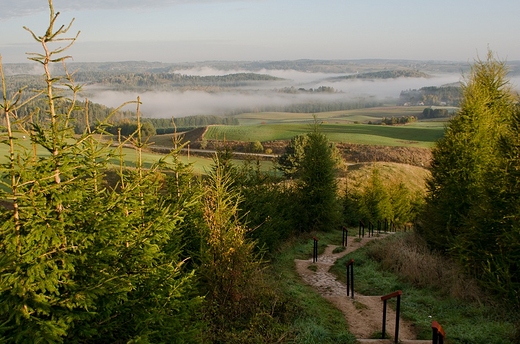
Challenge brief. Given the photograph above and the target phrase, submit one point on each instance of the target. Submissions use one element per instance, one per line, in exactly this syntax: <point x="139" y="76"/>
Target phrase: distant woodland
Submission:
<point x="386" y="74"/>
<point x="446" y="95"/>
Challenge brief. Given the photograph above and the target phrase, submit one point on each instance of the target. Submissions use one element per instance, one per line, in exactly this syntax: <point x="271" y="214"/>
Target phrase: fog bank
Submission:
<point x="253" y="98"/>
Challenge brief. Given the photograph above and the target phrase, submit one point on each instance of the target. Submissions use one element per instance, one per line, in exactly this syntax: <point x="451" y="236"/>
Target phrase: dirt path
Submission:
<point x="364" y="314"/>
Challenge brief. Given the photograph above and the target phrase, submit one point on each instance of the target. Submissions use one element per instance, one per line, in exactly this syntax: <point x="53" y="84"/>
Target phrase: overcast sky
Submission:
<point x="200" y="30"/>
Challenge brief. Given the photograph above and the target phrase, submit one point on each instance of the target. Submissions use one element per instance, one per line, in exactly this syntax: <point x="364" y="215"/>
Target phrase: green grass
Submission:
<point x="199" y="164"/>
<point x="348" y="126"/>
<point x="463" y="321"/>
<point x="415" y="135"/>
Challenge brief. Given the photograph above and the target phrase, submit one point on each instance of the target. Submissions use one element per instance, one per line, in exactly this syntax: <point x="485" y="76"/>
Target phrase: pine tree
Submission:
<point x="229" y="262"/>
<point x="471" y="208"/>
<point x="83" y="259"/>
<point x="319" y="206"/>
<point x="467" y="152"/>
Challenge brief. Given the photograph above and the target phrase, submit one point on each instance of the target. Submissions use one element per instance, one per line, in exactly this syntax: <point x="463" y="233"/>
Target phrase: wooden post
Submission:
<point x="345" y="237"/>
<point x="361" y="229"/>
<point x="370" y="228"/>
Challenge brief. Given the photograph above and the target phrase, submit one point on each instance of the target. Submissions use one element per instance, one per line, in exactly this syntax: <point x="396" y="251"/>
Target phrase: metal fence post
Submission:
<point x="438" y="333"/>
<point x="397" y="311"/>
<point x="315" y="250"/>
<point x="345" y="236"/>
<point x="350" y="277"/>
<point x="361" y="229"/>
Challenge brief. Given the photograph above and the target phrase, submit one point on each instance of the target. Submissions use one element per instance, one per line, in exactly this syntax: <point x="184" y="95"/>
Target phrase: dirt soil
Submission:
<point x="364" y="314"/>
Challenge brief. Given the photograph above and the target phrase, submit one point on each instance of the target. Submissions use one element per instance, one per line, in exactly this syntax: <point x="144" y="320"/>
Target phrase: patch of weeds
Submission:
<point x="313" y="267"/>
<point x="357" y="240"/>
<point x="339" y="249"/>
<point x="369" y="279"/>
<point x="360" y="305"/>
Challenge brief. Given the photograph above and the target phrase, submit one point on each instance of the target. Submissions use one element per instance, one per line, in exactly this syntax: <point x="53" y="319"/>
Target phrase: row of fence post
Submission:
<point x="386" y="226"/>
<point x="438" y="335"/>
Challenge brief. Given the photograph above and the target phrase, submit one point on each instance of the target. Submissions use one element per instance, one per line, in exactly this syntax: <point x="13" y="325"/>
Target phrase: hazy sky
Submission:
<point x="199" y="30"/>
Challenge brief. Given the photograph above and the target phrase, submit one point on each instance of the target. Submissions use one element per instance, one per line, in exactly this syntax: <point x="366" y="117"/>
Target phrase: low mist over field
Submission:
<point x="296" y="87"/>
<point x="229" y="87"/>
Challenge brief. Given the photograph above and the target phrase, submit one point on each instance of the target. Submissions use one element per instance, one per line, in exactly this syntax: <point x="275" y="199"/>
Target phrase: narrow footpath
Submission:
<point x="364" y="314"/>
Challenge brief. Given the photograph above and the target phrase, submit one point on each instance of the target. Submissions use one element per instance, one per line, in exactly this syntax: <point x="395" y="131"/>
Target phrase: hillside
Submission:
<point x="385" y="74"/>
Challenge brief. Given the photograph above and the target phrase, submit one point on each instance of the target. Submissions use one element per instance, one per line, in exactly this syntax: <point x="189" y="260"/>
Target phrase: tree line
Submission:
<point x="432" y="95"/>
<point x="386" y="74"/>
<point x="170" y="80"/>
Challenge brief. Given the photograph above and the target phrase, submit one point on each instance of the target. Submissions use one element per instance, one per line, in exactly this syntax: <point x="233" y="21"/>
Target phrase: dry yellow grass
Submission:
<point x="357" y="175"/>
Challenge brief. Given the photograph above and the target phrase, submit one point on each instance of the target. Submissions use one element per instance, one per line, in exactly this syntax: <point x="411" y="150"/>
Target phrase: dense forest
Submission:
<point x="168" y="81"/>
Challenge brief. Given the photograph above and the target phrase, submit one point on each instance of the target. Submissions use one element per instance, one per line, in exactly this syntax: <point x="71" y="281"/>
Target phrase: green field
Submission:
<point x="414" y="135"/>
<point x="363" y="115"/>
<point x="349" y="126"/>
<point x="200" y="165"/>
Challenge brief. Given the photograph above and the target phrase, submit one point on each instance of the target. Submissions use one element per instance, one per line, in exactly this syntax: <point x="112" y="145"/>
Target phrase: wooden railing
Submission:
<point x="397" y="311"/>
<point x="438" y="333"/>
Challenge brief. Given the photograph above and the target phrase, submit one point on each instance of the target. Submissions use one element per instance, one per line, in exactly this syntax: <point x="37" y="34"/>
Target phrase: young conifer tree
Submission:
<point x="229" y="263"/>
<point x="471" y="208"/>
<point x="467" y="152"/>
<point x="320" y="208"/>
<point x="83" y="260"/>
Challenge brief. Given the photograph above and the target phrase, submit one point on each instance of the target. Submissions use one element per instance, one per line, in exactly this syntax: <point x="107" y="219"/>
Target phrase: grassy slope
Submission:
<point x="314" y="320"/>
<point x="199" y="164"/>
<point x="463" y="321"/>
<point x="339" y="126"/>
<point x="414" y="177"/>
<point x="409" y="135"/>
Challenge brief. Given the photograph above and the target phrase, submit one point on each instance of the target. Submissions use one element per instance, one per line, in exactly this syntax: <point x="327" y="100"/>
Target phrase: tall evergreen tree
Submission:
<point x="320" y="208"/>
<point x="228" y="259"/>
<point x="471" y="198"/>
<point x="467" y="151"/>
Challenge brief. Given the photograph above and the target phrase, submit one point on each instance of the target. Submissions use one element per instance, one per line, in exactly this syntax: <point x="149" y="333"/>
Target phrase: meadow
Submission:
<point x="363" y="115"/>
<point x="411" y="135"/>
<point x="339" y="126"/>
<point x="200" y="165"/>
<point x="350" y="126"/>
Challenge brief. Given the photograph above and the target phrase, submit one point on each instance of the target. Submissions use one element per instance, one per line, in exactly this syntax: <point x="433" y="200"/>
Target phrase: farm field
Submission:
<point x="350" y="126"/>
<point x="363" y="115"/>
<point x="412" y="135"/>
